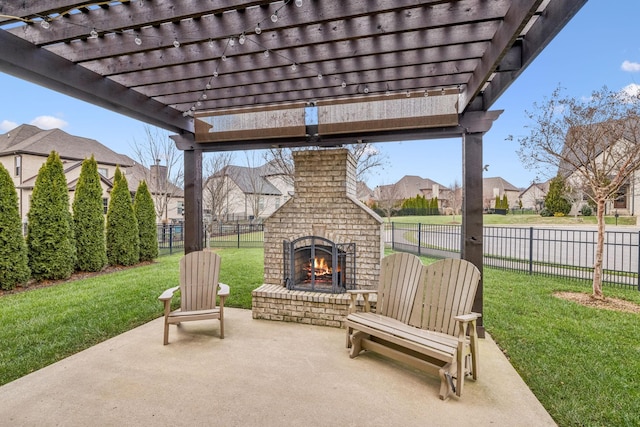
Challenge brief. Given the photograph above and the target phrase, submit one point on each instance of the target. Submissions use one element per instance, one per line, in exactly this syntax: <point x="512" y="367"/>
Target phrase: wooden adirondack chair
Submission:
<point x="423" y="314"/>
<point x="199" y="289"/>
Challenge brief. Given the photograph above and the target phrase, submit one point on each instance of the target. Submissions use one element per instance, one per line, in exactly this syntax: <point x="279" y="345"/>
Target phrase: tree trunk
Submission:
<point x="597" y="266"/>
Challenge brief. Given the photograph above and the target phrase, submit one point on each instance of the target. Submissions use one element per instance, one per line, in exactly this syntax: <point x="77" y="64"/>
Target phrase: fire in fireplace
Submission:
<point x="317" y="264"/>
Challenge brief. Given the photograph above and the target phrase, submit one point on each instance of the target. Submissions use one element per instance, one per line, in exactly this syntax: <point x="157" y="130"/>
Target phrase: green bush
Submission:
<point x="546" y="213"/>
<point x="88" y="218"/>
<point x="586" y="210"/>
<point x="50" y="241"/>
<point x="146" y="216"/>
<point x="14" y="262"/>
<point x="556" y="200"/>
<point x="123" y="242"/>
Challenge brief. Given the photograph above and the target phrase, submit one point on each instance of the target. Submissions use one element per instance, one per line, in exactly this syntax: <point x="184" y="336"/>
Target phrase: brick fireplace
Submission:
<point x="324" y="208"/>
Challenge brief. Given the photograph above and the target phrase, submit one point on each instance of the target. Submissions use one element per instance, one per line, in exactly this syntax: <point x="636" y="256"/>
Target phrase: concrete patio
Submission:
<point x="262" y="374"/>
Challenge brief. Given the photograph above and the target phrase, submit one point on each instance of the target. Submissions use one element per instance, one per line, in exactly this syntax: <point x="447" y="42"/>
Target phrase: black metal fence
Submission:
<point x="236" y="235"/>
<point x="546" y="251"/>
<point x="170" y="238"/>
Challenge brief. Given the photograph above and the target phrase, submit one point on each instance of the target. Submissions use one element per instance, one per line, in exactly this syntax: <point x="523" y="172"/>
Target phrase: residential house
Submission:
<point x="410" y="186"/>
<point x="25" y="149"/>
<point x="498" y="187"/>
<point x="533" y="196"/>
<point x="241" y="193"/>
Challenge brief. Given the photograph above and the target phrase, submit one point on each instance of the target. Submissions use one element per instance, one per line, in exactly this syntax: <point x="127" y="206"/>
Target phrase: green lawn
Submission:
<point x="582" y="363"/>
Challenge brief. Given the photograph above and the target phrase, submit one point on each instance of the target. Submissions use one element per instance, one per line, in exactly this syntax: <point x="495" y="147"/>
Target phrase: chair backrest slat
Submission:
<point x="199" y="273"/>
<point x="400" y="274"/>
<point x="447" y="290"/>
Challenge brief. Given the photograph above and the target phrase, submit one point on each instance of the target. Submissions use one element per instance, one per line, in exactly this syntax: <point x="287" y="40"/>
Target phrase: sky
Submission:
<point x="599" y="47"/>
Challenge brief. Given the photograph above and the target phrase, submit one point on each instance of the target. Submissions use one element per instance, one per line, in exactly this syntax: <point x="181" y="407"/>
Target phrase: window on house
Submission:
<point x="105" y="205"/>
<point x="18" y="165"/>
<point x="277" y="202"/>
<point x="104" y="172"/>
<point x="260" y="203"/>
<point x="180" y="208"/>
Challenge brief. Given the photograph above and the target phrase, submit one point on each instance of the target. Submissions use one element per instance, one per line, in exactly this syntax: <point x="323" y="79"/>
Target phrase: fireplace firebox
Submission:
<point x="317" y="264"/>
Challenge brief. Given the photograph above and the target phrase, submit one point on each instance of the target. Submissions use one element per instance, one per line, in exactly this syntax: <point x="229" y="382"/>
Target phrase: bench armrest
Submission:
<point x="353" y="293"/>
<point x="468" y="317"/>
<point x="223" y="290"/>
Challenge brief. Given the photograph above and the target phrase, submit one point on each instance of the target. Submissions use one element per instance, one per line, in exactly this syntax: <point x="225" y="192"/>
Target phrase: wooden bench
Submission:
<point x="423" y="315"/>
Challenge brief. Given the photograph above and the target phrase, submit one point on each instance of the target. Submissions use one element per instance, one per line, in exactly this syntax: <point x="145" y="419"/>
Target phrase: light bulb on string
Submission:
<point x="258" y="30"/>
<point x="366" y="89"/>
<point x="208" y="86"/>
<point x="215" y="73"/>
<point x="266" y="53"/>
<point x="343" y="84"/>
<point x="319" y="76"/>
<point x="199" y="103"/>
<point x="294" y="67"/>
<point x="232" y="42"/>
<point x="137" y="40"/>
<point x="241" y="39"/>
<point x="211" y="43"/>
<point x="204" y="95"/>
<point x="176" y="43"/>
<point x="299" y="3"/>
<point x="223" y="57"/>
<point x="45" y="24"/>
<point x="274" y="17"/>
<point x="193" y="108"/>
<point x="93" y="34"/>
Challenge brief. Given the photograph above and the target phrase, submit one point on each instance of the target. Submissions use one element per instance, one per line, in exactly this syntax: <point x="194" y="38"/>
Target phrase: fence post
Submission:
<point x="393" y="236"/>
<point x="638" y="261"/>
<point x="238" y="230"/>
<point x="530" y="251"/>
<point x="171" y="239"/>
<point x="419" y="238"/>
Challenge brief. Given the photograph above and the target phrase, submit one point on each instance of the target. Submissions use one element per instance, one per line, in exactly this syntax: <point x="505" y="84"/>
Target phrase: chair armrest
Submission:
<point x="353" y="293"/>
<point x="168" y="294"/>
<point x="468" y="317"/>
<point x="223" y="290"/>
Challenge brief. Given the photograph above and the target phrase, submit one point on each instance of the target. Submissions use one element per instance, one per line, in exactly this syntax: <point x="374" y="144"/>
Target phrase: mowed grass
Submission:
<point x="582" y="363"/>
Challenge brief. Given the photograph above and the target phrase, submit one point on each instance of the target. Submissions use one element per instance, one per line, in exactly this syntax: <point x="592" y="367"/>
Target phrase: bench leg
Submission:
<point x="349" y="332"/>
<point x="356" y="343"/>
<point x="446" y="381"/>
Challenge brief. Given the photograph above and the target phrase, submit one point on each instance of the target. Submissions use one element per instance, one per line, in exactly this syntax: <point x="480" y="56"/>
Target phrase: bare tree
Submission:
<point x="217" y="188"/>
<point x="592" y="142"/>
<point x="455" y="198"/>
<point x="255" y="183"/>
<point x="162" y="162"/>
<point x="368" y="158"/>
<point x="388" y="198"/>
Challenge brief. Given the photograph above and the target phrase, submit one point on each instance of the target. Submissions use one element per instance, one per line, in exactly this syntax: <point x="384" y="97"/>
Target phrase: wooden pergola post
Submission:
<point x="472" y="211"/>
<point x="193" y="231"/>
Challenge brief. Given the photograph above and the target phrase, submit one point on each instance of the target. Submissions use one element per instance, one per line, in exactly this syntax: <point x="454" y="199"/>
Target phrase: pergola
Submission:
<point x="241" y="74"/>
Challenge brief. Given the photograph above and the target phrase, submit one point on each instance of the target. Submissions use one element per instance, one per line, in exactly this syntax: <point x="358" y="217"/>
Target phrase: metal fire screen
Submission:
<point x="313" y="263"/>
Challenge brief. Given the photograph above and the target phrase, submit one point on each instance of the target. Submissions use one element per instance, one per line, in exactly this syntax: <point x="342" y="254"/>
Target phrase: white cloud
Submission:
<point x="631" y="67"/>
<point x="7" y="125"/>
<point x="48" y="122"/>
<point x="630" y="93"/>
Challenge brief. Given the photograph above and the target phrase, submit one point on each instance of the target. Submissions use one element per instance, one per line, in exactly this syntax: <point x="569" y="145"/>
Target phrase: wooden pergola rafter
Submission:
<point x="170" y="63"/>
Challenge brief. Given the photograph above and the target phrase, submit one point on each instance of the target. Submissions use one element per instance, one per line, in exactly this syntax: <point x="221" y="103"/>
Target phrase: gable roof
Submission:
<point x="138" y="173"/>
<point x="488" y="184"/>
<point x="251" y="180"/>
<point x="30" y="139"/>
<point x="541" y="186"/>
<point x="410" y="186"/>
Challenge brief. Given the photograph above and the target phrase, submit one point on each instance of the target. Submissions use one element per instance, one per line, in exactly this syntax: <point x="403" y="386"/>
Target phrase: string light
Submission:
<point x="45" y="24"/>
<point x="215" y="73"/>
<point x="366" y="89"/>
<point x="299" y="3"/>
<point x="176" y="43"/>
<point x="319" y="76"/>
<point x="294" y="67"/>
<point x="208" y="86"/>
<point x="137" y="40"/>
<point x="274" y="17"/>
<point x="258" y="30"/>
<point x="343" y="84"/>
<point x="93" y="34"/>
<point x="241" y="39"/>
<point x="232" y="42"/>
<point x="266" y="53"/>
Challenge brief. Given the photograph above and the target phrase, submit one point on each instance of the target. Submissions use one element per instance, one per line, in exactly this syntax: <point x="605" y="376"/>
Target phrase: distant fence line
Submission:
<point x="558" y="252"/>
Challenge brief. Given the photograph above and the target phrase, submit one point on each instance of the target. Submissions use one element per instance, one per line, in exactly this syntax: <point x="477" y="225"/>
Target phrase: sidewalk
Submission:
<point x="262" y="374"/>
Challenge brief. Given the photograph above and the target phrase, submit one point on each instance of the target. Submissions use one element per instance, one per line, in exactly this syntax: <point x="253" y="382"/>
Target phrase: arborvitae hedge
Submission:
<point x="555" y="201"/>
<point x="50" y="241"/>
<point x="147" y="230"/>
<point x="14" y="262"/>
<point x="123" y="242"/>
<point x="88" y="218"/>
